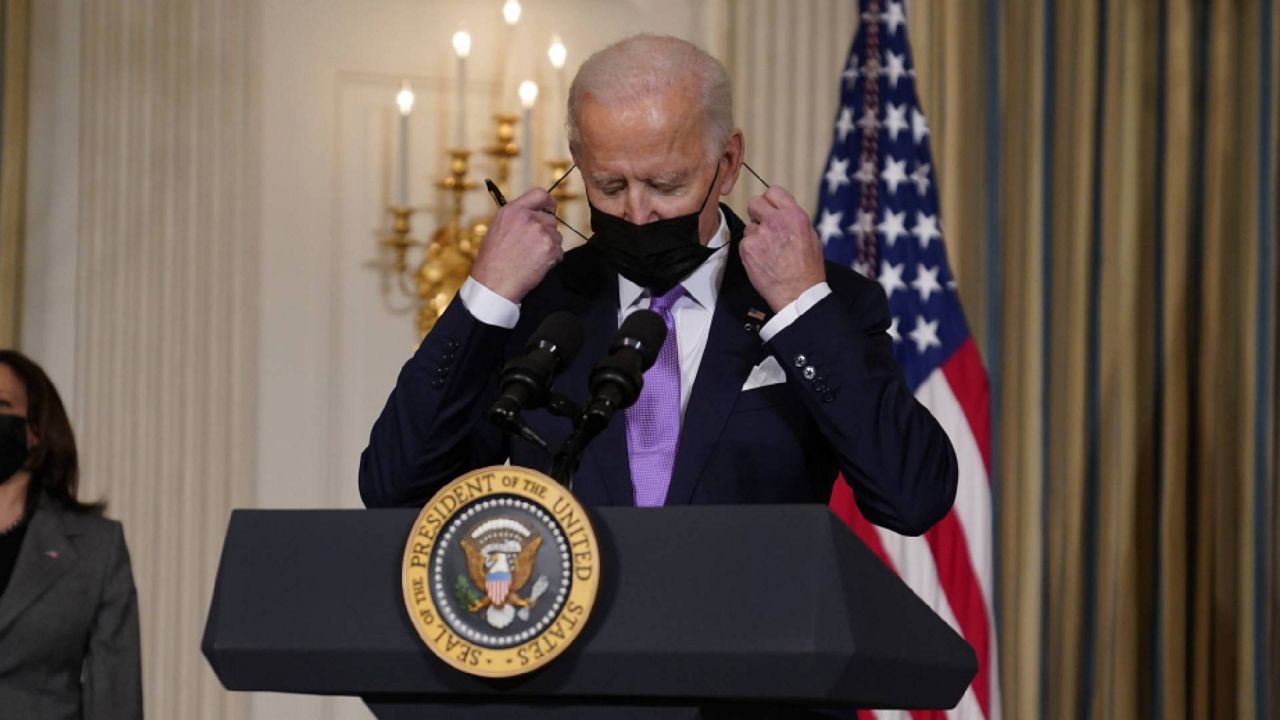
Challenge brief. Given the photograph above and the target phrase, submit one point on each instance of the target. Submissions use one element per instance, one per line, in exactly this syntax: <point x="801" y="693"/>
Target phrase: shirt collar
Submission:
<point x="703" y="285"/>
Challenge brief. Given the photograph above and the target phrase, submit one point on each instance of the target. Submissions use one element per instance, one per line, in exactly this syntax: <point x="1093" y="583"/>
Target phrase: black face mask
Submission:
<point x="13" y="445"/>
<point x="655" y="255"/>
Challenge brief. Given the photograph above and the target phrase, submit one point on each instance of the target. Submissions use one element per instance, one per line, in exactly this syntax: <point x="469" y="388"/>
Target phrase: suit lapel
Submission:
<point x="45" y="556"/>
<point x="727" y="361"/>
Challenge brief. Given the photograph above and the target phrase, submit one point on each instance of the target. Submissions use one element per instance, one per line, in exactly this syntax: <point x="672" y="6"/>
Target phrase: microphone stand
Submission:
<point x="567" y="459"/>
<point x="587" y="424"/>
<point x="512" y="424"/>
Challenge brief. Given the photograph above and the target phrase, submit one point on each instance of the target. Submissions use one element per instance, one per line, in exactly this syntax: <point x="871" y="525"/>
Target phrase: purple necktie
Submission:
<point x="653" y="422"/>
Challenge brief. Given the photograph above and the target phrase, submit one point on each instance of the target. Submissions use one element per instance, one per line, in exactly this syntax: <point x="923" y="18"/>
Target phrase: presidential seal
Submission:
<point x="500" y="571"/>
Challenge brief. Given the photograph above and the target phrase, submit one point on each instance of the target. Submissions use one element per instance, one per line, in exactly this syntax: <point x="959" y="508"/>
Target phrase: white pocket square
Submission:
<point x="766" y="373"/>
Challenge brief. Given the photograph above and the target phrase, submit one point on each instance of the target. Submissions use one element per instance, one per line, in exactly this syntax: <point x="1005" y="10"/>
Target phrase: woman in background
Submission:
<point x="68" y="608"/>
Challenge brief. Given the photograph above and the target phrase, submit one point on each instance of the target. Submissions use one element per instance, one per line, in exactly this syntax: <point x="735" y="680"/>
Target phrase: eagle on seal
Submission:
<point x="500" y="575"/>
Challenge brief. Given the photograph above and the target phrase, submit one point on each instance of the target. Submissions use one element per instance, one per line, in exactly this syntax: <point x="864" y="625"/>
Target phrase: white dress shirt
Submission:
<point x="692" y="312"/>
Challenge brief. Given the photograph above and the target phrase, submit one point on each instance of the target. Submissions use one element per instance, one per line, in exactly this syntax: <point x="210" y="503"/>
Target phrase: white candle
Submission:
<point x="511" y="12"/>
<point x="528" y="96"/>
<point x="558" y="54"/>
<point x="405" y="100"/>
<point x="462" y="47"/>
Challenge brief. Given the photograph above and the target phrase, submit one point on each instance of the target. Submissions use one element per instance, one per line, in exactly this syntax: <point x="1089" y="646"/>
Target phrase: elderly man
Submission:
<point x="777" y="373"/>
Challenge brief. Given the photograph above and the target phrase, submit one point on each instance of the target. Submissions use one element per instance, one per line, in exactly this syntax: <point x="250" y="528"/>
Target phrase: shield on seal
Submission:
<point x="498" y="583"/>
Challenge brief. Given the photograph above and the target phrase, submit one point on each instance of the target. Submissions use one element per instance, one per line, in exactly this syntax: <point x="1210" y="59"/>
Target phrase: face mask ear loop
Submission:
<point x="574" y="229"/>
<point x="755" y="174"/>
<point x="555" y="185"/>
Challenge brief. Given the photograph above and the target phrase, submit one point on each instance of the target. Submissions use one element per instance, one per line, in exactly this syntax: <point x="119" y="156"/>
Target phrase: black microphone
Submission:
<point x="617" y="380"/>
<point x="525" y="381"/>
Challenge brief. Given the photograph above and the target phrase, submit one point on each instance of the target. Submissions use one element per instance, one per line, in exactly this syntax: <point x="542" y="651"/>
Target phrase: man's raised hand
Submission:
<point x="521" y="245"/>
<point x="781" y="251"/>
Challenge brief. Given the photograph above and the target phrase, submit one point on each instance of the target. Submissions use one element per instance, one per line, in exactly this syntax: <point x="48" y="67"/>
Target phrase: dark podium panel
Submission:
<point x="723" y="608"/>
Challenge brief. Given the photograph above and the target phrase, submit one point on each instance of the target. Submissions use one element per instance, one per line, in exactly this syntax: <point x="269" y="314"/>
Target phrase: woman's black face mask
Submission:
<point x="655" y="255"/>
<point x="13" y="445"/>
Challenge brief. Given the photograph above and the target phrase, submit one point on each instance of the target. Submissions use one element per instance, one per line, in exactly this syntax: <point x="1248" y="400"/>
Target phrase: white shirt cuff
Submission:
<point x="488" y="306"/>
<point x="787" y="315"/>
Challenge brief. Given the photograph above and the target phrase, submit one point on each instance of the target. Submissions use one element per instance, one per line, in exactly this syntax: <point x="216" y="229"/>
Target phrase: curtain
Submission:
<point x="14" y="16"/>
<point x="1109" y="178"/>
<point x="1108" y="174"/>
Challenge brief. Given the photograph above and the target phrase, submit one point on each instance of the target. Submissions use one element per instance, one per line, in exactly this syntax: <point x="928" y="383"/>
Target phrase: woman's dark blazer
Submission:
<point x="69" y="622"/>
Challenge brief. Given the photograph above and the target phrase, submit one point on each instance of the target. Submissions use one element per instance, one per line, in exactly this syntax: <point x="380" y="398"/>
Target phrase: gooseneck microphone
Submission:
<point x="615" y="384"/>
<point x="525" y="381"/>
<point x="616" y="381"/>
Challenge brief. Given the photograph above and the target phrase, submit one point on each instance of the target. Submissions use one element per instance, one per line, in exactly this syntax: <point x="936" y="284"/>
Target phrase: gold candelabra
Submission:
<point x="446" y="259"/>
<point x="506" y="148"/>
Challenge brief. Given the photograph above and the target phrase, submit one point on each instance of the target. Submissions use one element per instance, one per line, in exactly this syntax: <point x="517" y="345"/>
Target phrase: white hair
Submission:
<point x="644" y="65"/>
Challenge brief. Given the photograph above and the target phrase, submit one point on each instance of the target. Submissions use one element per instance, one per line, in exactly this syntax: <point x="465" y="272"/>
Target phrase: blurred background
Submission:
<point x="198" y="242"/>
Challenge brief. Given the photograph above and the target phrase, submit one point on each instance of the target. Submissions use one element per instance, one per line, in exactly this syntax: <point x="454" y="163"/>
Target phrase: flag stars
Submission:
<point x="892" y="226"/>
<point x="864" y="225"/>
<point x="895" y="67"/>
<point x="925" y="334"/>
<point x="880" y="147"/>
<point x="895" y="120"/>
<point x="926" y="282"/>
<point x="829" y="225"/>
<point x="894" y="174"/>
<point x="850" y="75"/>
<point x="891" y="278"/>
<point x="919" y="128"/>
<point x="837" y="175"/>
<point x="866" y="173"/>
<point x="920" y="176"/>
<point x="844" y="125"/>
<point x="893" y="18"/>
<point x="925" y="229"/>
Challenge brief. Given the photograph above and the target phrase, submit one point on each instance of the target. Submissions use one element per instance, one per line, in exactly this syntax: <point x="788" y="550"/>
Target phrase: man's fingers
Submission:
<point x="556" y="239"/>
<point x="536" y="199"/>
<point x="778" y="197"/>
<point x="545" y="219"/>
<point x="549" y="242"/>
<point x="757" y="207"/>
<point x="770" y="203"/>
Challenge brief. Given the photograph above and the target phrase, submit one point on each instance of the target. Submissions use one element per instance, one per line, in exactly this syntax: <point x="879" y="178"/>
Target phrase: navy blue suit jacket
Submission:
<point x="782" y="443"/>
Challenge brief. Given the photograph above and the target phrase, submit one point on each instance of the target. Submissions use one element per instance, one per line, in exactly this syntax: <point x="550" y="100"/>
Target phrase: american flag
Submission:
<point x="878" y="213"/>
